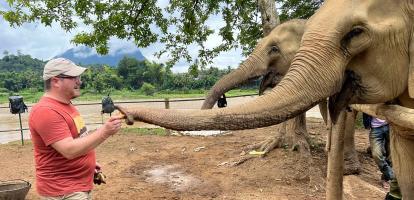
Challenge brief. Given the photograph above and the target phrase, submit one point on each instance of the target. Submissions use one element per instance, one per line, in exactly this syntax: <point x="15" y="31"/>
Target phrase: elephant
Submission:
<point x="352" y="52"/>
<point x="285" y="39"/>
<point x="289" y="35"/>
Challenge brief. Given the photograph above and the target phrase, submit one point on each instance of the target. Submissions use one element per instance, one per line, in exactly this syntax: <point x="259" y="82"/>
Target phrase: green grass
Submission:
<point x="358" y="122"/>
<point x="18" y="143"/>
<point x="145" y="131"/>
<point x="31" y="96"/>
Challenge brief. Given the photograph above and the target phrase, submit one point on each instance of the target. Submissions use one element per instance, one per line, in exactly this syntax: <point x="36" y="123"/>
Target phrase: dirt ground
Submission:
<point x="197" y="167"/>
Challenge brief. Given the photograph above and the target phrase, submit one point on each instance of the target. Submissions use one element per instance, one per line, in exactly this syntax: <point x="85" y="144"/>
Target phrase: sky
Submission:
<point x="46" y="42"/>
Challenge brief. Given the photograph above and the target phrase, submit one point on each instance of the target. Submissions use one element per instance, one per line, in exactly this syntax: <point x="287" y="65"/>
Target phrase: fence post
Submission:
<point x="167" y="106"/>
<point x="167" y="103"/>
<point x="21" y="128"/>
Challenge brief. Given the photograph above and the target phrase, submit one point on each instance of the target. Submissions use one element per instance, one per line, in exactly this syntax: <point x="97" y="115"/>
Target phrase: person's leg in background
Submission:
<point x="379" y="145"/>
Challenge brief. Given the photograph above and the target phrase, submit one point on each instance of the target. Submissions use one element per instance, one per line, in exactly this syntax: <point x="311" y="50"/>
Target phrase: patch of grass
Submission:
<point x="358" y="122"/>
<point x="19" y="143"/>
<point x="316" y="144"/>
<point x="145" y="131"/>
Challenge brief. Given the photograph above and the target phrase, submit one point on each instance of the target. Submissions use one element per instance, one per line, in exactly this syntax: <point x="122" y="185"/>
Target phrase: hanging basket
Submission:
<point x="14" y="189"/>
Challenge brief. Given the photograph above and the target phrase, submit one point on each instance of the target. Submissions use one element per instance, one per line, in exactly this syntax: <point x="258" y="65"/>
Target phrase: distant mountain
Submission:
<point x="87" y="56"/>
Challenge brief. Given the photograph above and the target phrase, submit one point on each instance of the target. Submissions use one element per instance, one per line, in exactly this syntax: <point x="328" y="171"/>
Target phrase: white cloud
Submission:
<point x="39" y="41"/>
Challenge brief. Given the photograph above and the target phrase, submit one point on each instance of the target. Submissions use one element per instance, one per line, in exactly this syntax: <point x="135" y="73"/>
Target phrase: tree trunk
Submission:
<point x="297" y="135"/>
<point x="270" y="18"/>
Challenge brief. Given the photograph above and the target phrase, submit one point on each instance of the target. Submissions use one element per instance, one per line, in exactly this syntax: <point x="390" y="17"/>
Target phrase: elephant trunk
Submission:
<point x="309" y="80"/>
<point x="253" y="67"/>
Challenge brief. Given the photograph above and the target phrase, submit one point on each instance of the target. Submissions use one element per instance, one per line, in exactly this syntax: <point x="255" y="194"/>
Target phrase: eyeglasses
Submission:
<point x="76" y="78"/>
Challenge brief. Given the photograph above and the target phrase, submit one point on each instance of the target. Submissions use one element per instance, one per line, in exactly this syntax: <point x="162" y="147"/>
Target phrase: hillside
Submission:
<point x="13" y="63"/>
<point x="87" y="56"/>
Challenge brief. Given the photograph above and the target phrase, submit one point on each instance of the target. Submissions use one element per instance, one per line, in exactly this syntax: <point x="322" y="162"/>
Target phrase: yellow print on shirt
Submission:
<point x="80" y="125"/>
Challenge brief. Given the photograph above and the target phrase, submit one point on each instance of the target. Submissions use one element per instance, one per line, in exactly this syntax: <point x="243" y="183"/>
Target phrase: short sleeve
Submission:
<point x="50" y="125"/>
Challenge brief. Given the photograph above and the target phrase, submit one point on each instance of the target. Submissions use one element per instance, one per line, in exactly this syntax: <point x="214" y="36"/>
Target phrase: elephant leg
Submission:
<point x="352" y="164"/>
<point x="402" y="155"/>
<point x="336" y="159"/>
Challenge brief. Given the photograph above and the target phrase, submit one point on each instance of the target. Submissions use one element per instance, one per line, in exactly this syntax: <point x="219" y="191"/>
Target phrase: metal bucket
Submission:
<point x="14" y="189"/>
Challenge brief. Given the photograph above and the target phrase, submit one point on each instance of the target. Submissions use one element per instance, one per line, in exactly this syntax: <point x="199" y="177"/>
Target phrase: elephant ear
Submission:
<point x="411" y="67"/>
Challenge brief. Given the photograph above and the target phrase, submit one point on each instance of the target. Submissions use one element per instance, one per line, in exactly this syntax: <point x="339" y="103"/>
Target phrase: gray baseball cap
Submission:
<point x="63" y="66"/>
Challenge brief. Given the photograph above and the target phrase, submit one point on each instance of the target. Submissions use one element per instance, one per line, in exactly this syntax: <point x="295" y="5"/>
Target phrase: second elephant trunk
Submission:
<point x="253" y="67"/>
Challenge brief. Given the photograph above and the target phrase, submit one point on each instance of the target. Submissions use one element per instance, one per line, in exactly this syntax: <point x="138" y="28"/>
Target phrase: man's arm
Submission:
<point x="72" y="148"/>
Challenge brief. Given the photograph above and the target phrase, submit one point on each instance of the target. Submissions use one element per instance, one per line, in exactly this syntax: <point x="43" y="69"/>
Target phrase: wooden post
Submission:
<point x="21" y="128"/>
<point x="167" y="103"/>
<point x="167" y="106"/>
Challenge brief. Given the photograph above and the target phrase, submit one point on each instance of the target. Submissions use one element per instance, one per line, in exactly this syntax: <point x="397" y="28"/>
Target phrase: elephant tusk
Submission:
<point x="398" y="115"/>
<point x="129" y="119"/>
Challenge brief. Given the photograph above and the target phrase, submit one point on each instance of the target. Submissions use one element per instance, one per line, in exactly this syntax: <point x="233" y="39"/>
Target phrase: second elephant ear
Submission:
<point x="411" y="67"/>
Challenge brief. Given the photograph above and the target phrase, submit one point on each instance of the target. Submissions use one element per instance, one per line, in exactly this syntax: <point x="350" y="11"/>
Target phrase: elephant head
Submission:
<point x="357" y="52"/>
<point x="271" y="57"/>
<point x="351" y="51"/>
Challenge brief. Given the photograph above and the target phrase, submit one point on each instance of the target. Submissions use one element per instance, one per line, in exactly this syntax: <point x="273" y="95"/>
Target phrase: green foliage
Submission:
<point x="19" y="63"/>
<point x="193" y="71"/>
<point x="178" y="25"/>
<point x="358" y="121"/>
<point x="123" y="81"/>
<point x="148" y="89"/>
<point x="301" y="9"/>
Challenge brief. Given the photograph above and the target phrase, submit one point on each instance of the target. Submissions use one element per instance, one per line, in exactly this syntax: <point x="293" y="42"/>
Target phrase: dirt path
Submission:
<point x="190" y="167"/>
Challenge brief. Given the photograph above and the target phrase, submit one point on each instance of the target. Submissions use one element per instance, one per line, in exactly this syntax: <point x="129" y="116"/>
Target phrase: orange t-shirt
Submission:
<point x="49" y="122"/>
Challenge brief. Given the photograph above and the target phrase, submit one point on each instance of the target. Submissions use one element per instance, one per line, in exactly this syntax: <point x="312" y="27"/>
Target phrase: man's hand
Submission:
<point x="112" y="126"/>
<point x="98" y="176"/>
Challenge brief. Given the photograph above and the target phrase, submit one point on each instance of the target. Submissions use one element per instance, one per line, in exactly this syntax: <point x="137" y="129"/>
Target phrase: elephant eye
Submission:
<point x="354" y="32"/>
<point x="351" y="34"/>
<point x="274" y="49"/>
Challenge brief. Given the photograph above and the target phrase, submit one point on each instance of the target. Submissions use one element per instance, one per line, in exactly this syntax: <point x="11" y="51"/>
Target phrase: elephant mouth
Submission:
<point x="350" y="90"/>
<point x="269" y="80"/>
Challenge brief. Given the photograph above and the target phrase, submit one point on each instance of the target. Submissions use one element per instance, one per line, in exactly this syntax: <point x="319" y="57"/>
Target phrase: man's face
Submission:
<point x="70" y="86"/>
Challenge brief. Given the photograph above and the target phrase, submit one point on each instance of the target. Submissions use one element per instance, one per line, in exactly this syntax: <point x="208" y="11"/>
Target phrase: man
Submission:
<point x="63" y="148"/>
<point x="379" y="139"/>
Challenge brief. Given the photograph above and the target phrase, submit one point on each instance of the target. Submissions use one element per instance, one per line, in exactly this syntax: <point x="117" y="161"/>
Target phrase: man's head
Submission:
<point x="63" y="77"/>
<point x="61" y="66"/>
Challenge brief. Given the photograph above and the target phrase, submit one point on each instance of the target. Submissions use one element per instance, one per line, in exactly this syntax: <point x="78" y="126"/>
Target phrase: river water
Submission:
<point x="10" y="126"/>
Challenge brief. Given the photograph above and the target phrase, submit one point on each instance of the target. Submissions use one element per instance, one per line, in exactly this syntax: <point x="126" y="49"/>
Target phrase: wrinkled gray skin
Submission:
<point x="285" y="41"/>
<point x="351" y="51"/>
<point x="286" y="33"/>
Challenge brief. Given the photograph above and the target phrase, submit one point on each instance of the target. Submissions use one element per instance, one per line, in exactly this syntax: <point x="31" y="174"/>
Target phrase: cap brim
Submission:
<point x="75" y="71"/>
